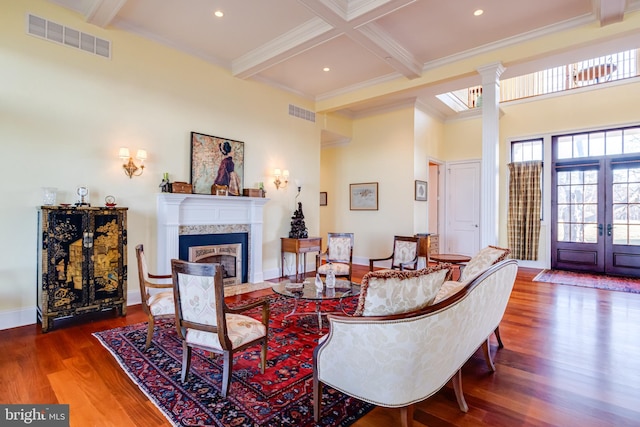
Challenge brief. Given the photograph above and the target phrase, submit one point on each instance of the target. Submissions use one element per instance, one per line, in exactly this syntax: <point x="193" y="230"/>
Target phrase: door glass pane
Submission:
<point x="577" y="233"/>
<point x="563" y="213"/>
<point x="591" y="213"/>
<point x="620" y="234"/>
<point x="591" y="194"/>
<point x="563" y="232"/>
<point x="619" y="193"/>
<point x="576" y="177"/>
<point x="564" y="194"/>
<point x="576" y="213"/>
<point x="591" y="233"/>
<point x="562" y="178"/>
<point x="633" y="193"/>
<point x="591" y="177"/>
<point x="634" y="235"/>
<point x="576" y="193"/>
<point x="626" y="206"/>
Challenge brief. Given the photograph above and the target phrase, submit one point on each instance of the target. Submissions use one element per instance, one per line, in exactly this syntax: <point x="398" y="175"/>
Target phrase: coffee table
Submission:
<point x="307" y="292"/>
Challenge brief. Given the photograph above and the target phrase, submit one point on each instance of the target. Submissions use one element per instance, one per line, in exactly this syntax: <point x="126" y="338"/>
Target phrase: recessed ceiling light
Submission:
<point x="478" y="12"/>
<point x="219" y="13"/>
<point x="326" y="69"/>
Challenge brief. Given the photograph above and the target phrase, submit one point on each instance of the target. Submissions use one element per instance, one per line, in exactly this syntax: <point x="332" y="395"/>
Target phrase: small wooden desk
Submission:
<point x="299" y="246"/>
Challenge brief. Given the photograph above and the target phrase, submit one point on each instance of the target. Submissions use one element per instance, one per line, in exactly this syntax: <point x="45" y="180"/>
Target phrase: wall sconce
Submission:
<point x="285" y="178"/>
<point x="130" y="168"/>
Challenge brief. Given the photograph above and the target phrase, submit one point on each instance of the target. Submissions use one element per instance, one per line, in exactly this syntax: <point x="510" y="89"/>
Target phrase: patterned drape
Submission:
<point x="525" y="199"/>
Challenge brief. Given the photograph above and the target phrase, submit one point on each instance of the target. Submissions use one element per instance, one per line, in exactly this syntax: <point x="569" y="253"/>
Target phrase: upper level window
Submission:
<point x="525" y="151"/>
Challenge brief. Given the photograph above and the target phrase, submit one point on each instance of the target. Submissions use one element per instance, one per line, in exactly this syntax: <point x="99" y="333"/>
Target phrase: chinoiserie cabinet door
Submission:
<point x="107" y="268"/>
<point x="65" y="277"/>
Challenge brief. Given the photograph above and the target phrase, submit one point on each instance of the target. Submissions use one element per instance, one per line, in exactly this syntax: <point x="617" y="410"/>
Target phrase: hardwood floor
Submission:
<point x="571" y="358"/>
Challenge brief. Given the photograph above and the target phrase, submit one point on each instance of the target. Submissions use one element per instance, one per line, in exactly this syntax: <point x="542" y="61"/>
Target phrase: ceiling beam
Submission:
<point x="102" y="12"/>
<point x="353" y="18"/>
<point x="609" y="11"/>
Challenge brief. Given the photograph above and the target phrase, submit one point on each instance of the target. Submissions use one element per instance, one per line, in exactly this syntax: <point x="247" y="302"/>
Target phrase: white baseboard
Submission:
<point x="16" y="318"/>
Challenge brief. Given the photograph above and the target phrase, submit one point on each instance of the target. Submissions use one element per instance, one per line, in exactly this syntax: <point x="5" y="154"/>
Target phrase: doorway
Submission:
<point x="595" y="203"/>
<point x="463" y="208"/>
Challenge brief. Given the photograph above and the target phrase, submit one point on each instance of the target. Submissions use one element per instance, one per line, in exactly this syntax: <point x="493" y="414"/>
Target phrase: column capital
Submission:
<point x="491" y="72"/>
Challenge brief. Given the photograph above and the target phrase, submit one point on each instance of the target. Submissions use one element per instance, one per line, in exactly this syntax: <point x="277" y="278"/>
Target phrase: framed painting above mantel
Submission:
<point x="217" y="165"/>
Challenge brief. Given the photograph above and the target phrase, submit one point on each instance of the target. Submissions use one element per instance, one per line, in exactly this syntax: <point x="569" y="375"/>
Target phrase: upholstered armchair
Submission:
<point x="397" y="360"/>
<point x="156" y="302"/>
<point x="404" y="255"/>
<point x="205" y="321"/>
<point x="338" y="255"/>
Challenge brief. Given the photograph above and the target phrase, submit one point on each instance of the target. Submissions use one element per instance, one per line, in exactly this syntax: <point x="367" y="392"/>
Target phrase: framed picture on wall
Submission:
<point x="363" y="197"/>
<point x="421" y="191"/>
<point x="217" y="165"/>
<point x="323" y="198"/>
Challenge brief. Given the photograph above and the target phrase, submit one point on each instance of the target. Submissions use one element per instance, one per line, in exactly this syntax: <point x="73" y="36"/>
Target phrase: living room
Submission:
<point x="70" y="113"/>
<point x="66" y="114"/>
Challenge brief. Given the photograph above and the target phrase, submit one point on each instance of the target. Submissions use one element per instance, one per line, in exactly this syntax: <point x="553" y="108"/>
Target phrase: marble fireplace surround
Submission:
<point x="180" y="214"/>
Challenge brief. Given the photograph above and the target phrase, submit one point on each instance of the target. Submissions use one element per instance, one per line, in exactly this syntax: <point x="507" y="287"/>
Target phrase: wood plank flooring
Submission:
<point x="571" y="358"/>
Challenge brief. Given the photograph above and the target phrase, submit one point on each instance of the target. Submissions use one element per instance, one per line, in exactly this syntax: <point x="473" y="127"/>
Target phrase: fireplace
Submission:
<point x="186" y="220"/>
<point x="229" y="249"/>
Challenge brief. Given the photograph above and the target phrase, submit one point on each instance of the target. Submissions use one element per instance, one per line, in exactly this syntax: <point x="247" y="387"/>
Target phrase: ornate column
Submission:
<point x="490" y="153"/>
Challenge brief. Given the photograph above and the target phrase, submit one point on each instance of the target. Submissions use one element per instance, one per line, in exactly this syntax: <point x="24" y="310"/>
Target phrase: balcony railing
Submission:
<point x="618" y="66"/>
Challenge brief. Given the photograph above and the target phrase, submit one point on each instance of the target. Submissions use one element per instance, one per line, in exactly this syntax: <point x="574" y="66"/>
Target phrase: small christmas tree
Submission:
<point x="298" y="227"/>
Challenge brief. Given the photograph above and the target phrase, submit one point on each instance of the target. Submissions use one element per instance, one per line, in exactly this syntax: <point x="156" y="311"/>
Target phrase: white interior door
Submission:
<point x="463" y="209"/>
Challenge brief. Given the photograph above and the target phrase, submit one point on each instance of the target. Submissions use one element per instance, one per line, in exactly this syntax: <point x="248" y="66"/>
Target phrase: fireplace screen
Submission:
<point x="229" y="255"/>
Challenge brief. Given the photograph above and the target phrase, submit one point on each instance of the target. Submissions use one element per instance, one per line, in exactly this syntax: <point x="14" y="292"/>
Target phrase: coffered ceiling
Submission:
<point x="364" y="43"/>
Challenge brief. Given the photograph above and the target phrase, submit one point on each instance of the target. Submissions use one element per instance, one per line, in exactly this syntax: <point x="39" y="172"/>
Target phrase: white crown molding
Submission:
<point x="289" y="44"/>
<point x="510" y="41"/>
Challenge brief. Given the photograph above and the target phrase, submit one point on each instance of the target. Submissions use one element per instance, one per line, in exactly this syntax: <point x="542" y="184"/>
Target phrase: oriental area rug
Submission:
<point x="282" y="396"/>
<point x="588" y="280"/>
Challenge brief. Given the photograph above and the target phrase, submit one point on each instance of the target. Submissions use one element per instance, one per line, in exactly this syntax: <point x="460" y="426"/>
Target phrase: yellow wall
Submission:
<point x="64" y="113"/>
<point x="391" y="149"/>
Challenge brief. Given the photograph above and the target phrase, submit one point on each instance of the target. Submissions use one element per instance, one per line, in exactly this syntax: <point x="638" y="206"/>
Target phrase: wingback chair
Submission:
<point x="338" y="255"/>
<point x="156" y="303"/>
<point x="404" y="255"/>
<point x="205" y="321"/>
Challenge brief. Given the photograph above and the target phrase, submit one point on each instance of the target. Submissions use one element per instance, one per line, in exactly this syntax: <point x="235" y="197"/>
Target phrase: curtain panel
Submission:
<point x="525" y="201"/>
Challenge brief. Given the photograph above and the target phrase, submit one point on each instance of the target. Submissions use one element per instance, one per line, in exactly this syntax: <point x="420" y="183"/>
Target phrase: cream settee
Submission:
<point x="400" y="359"/>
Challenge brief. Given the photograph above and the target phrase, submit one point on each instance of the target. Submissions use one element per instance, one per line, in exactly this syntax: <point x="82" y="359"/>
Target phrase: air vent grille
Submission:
<point x="301" y="113"/>
<point x="57" y="33"/>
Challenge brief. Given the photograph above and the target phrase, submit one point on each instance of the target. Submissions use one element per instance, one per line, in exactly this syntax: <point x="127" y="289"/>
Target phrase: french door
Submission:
<point x="596" y="215"/>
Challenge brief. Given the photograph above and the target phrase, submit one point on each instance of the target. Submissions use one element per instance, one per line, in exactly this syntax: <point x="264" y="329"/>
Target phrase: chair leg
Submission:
<point x="457" y="388"/>
<point x="487" y="355"/>
<point x="406" y="416"/>
<point x="263" y="356"/>
<point x="317" y="399"/>
<point x="497" y="332"/>
<point x="226" y="372"/>
<point x="186" y="360"/>
<point x="150" y="325"/>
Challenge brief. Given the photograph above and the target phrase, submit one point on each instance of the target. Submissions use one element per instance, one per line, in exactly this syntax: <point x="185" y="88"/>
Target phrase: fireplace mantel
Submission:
<point x="176" y="210"/>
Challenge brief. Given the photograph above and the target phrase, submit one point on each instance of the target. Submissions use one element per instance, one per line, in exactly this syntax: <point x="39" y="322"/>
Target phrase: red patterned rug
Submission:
<point x="588" y="280"/>
<point x="280" y="397"/>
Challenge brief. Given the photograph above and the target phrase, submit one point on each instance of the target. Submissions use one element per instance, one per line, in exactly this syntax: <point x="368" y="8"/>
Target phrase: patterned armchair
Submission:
<point x="155" y="304"/>
<point x="396" y="360"/>
<point x="404" y="255"/>
<point x="339" y="255"/>
<point x="204" y="320"/>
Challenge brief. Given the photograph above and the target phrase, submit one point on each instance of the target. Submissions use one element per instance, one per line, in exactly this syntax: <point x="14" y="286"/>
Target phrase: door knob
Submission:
<point x="609" y="227"/>
<point x="600" y="229"/>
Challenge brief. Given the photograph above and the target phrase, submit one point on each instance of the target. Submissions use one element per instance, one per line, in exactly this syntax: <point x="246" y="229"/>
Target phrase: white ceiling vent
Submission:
<point x="301" y="113"/>
<point x="54" y="32"/>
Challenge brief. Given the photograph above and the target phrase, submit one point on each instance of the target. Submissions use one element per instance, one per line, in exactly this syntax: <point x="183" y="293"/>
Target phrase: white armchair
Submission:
<point x="399" y="359"/>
